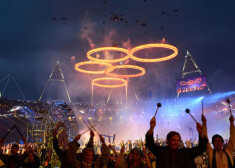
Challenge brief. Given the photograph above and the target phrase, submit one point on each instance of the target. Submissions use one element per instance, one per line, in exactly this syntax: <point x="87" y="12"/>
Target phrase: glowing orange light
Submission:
<point x="94" y="82"/>
<point x="109" y="71"/>
<point x="88" y="63"/>
<point x="191" y="82"/>
<point x="108" y="49"/>
<point x="159" y="45"/>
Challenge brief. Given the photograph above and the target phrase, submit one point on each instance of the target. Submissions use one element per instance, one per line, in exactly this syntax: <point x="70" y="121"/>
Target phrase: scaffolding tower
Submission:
<point x="191" y="67"/>
<point x="7" y="79"/>
<point x="56" y="76"/>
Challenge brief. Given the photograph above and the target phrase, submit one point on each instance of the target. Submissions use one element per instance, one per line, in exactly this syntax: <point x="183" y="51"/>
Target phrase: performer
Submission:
<point x="13" y="160"/>
<point x="33" y="160"/>
<point x="87" y="155"/>
<point x="135" y="159"/>
<point x="63" y="154"/>
<point x="171" y="156"/>
<point x="220" y="157"/>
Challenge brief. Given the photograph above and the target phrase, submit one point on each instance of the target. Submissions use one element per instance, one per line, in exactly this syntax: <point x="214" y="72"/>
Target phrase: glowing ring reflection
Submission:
<point x="109" y="71"/>
<point x="88" y="63"/>
<point x="108" y="49"/>
<point x="168" y="46"/>
<point x="109" y="86"/>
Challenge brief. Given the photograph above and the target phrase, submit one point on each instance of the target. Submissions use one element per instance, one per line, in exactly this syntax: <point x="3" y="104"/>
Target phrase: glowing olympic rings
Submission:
<point x="91" y="62"/>
<point x="108" y="49"/>
<point x="151" y="46"/>
<point x="109" y="86"/>
<point x="111" y="69"/>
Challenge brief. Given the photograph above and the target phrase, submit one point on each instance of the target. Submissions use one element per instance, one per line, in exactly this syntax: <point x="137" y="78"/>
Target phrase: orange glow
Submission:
<point x="191" y="82"/>
<point x="159" y="45"/>
<point x="91" y="63"/>
<point x="108" y="49"/>
<point x="109" y="71"/>
<point x="109" y="86"/>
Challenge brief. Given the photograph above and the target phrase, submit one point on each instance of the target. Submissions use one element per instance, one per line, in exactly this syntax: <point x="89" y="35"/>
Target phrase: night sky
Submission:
<point x="35" y="34"/>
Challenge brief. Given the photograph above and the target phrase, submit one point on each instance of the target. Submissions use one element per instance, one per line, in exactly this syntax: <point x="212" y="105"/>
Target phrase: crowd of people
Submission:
<point x="148" y="153"/>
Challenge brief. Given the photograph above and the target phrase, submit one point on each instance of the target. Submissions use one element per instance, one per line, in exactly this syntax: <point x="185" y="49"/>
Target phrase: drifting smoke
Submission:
<point x="157" y="81"/>
<point x="72" y="58"/>
<point x="109" y="39"/>
<point x="87" y="30"/>
<point x="127" y="44"/>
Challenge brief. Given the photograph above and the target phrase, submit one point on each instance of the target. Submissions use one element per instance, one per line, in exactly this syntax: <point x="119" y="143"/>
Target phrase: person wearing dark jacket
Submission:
<point x="13" y="160"/>
<point x="172" y="156"/>
<point x="33" y="160"/>
<point x="63" y="154"/>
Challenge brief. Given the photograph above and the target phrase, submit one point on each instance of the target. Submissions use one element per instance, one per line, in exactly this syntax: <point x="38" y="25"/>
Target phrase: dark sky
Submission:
<point x="35" y="34"/>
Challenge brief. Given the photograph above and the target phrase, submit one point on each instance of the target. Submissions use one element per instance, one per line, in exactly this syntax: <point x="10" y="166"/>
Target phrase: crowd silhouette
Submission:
<point x="149" y="153"/>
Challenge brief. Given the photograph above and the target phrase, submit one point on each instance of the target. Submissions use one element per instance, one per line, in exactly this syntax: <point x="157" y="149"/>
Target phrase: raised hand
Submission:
<point x="199" y="129"/>
<point x="153" y="123"/>
<point x="23" y="138"/>
<point x="92" y="134"/>
<point x="102" y="139"/>
<point x="54" y="132"/>
<point x="122" y="149"/>
<point x="110" y="146"/>
<point x="203" y="118"/>
<point x="231" y="119"/>
<point x="77" y="137"/>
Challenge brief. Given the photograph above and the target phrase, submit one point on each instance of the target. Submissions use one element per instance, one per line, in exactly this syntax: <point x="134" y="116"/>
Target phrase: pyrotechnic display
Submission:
<point x="147" y="46"/>
<point x="129" y="54"/>
<point x="95" y="82"/>
<point x="117" y="84"/>
<point x="78" y="65"/>
<point x="122" y="50"/>
<point x="109" y="71"/>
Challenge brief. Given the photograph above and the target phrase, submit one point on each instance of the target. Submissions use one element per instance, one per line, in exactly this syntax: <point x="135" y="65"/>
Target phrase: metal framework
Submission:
<point x="57" y="76"/>
<point x="190" y="67"/>
<point x="8" y="77"/>
<point x="46" y="119"/>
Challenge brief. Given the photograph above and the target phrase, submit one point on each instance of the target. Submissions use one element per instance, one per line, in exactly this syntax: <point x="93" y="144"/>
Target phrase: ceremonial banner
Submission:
<point x="191" y="84"/>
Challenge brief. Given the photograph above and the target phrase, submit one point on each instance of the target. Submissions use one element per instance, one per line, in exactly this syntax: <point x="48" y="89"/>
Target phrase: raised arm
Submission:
<point x="55" y="143"/>
<point x="71" y="154"/>
<point x="195" y="151"/>
<point x="114" y="151"/>
<point x="231" y="142"/>
<point x="154" y="148"/>
<point x="152" y="125"/>
<point x="203" y="118"/>
<point x="209" y="149"/>
<point x="120" y="160"/>
<point x="25" y="144"/>
<point x="91" y="140"/>
<point x="105" y="151"/>
<point x="3" y="157"/>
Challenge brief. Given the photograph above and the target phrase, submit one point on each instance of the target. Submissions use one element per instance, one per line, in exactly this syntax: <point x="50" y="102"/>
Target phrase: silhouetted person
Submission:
<point x="172" y="156"/>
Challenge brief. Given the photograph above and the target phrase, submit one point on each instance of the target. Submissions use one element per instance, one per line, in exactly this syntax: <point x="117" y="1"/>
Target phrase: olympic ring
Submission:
<point x="151" y="46"/>
<point x="111" y="69"/>
<point x="109" y="86"/>
<point x="108" y="49"/>
<point x="191" y="82"/>
<point x="91" y="62"/>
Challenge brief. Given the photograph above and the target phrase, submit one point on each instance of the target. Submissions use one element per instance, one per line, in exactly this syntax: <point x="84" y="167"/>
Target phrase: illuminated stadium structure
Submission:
<point x="36" y="119"/>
